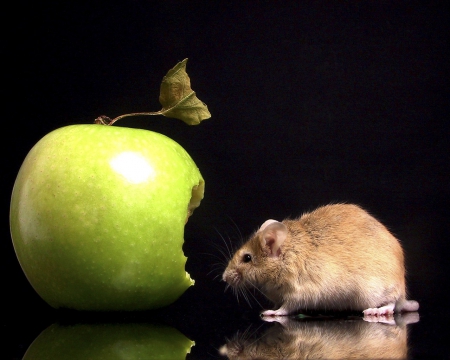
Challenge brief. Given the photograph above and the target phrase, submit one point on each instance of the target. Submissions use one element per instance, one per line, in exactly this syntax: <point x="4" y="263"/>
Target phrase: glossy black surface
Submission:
<point x="311" y="104"/>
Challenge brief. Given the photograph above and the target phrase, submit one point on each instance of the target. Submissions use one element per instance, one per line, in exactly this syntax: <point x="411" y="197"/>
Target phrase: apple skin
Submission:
<point x="97" y="217"/>
<point x="109" y="341"/>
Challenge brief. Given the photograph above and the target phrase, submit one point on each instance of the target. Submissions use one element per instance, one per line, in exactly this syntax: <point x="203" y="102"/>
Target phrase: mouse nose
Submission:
<point x="232" y="277"/>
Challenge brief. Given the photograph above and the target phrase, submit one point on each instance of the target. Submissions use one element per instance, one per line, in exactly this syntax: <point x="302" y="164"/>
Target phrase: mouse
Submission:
<point x="337" y="257"/>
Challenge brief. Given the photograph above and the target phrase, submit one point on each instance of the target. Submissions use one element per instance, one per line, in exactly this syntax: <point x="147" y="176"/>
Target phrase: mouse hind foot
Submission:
<point x="380" y="311"/>
<point x="388" y="310"/>
<point x="383" y="314"/>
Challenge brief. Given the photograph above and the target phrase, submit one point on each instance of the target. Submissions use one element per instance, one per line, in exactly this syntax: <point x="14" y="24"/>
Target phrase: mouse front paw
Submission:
<point x="279" y="312"/>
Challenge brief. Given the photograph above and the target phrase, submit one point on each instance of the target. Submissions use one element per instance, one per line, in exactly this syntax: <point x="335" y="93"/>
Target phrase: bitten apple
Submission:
<point x="97" y="217"/>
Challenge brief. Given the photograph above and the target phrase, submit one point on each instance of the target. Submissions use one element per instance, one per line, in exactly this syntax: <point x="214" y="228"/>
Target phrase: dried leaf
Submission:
<point x="179" y="100"/>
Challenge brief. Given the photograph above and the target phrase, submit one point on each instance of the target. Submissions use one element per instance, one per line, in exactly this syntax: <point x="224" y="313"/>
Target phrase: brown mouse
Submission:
<point x="337" y="257"/>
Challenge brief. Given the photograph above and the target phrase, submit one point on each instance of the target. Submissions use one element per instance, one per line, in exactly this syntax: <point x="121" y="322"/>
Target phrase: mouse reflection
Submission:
<point x="313" y="338"/>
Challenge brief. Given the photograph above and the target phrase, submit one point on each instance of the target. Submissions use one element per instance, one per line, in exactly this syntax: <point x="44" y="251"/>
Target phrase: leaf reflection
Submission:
<point x="348" y="338"/>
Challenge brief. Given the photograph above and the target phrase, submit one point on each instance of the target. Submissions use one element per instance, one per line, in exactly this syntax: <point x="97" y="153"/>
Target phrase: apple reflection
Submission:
<point x="349" y="338"/>
<point x="109" y="341"/>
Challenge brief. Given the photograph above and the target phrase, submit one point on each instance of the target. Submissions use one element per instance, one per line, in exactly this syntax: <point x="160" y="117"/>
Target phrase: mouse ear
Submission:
<point x="273" y="235"/>
<point x="267" y="222"/>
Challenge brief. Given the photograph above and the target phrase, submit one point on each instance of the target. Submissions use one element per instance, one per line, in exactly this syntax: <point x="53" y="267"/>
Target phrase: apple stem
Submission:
<point x="105" y="120"/>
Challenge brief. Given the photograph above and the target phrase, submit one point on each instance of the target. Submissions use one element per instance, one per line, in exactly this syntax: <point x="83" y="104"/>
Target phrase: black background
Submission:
<point x="311" y="103"/>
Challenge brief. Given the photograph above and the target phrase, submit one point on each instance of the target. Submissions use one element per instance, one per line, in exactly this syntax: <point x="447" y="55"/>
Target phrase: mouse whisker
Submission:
<point x="217" y="277"/>
<point x="246" y="335"/>
<point x="245" y="292"/>
<point x="227" y="252"/>
<point x="256" y="338"/>
<point x="258" y="290"/>
<point x="254" y="297"/>
<point x="237" y="228"/>
<point x="221" y="258"/>
<point x="216" y="267"/>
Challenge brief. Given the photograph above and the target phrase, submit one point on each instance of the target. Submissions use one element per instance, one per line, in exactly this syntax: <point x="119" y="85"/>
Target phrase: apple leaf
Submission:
<point x="178" y="99"/>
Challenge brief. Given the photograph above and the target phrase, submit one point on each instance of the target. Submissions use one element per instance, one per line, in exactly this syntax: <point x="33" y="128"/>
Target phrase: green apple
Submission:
<point x="109" y="341"/>
<point x="97" y="217"/>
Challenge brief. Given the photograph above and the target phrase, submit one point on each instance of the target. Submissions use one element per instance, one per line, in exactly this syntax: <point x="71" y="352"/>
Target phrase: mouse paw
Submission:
<point x="384" y="314"/>
<point x="279" y="312"/>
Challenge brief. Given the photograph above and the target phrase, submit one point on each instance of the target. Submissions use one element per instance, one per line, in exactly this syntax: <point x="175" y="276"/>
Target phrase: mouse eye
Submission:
<point x="247" y="258"/>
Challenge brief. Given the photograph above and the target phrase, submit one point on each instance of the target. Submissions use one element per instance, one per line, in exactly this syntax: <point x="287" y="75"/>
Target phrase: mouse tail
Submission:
<point x="404" y="305"/>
